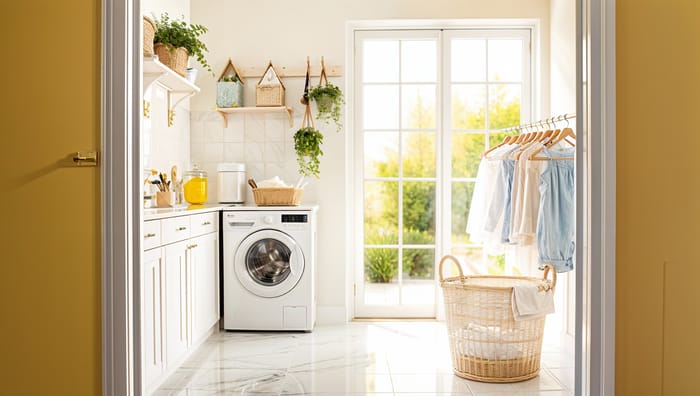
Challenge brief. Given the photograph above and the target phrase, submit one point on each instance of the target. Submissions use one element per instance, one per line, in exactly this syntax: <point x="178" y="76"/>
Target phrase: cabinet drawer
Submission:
<point x="204" y="223"/>
<point x="175" y="229"/>
<point x="151" y="234"/>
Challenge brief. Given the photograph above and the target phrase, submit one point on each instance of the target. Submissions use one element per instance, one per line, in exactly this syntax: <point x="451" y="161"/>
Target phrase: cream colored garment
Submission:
<point x="525" y="228"/>
<point x="518" y="193"/>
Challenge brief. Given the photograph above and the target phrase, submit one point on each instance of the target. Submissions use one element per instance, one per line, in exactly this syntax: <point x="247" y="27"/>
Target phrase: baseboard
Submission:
<point x="330" y="314"/>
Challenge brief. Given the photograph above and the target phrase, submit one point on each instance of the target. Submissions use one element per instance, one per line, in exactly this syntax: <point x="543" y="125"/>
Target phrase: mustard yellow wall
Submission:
<point x="49" y="211"/>
<point x="658" y="197"/>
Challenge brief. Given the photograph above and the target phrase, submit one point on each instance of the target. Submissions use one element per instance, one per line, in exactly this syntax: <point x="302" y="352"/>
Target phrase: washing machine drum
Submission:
<point x="269" y="263"/>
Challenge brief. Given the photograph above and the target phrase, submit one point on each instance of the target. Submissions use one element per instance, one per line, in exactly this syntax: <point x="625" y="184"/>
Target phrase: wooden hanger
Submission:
<point x="505" y="141"/>
<point x="566" y="132"/>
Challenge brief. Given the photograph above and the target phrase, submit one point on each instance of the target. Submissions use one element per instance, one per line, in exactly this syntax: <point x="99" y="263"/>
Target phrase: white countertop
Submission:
<point x="186" y="210"/>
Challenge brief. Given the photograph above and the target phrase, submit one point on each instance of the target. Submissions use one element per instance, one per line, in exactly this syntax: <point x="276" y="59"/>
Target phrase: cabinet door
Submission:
<point x="152" y="314"/>
<point x="176" y="298"/>
<point x="205" y="269"/>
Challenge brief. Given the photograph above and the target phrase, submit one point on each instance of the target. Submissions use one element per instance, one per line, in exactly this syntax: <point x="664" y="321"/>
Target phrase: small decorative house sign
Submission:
<point x="229" y="87"/>
<point x="270" y="89"/>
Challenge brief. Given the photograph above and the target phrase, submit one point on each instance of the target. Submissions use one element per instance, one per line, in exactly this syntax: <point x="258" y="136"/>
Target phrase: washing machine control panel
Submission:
<point x="295" y="218"/>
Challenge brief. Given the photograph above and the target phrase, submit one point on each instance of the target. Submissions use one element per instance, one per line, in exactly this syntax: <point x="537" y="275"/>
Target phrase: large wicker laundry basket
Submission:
<point x="486" y="342"/>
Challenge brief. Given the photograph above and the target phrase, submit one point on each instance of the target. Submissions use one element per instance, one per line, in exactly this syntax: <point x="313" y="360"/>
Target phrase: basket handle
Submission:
<point x="442" y="261"/>
<point x="547" y="269"/>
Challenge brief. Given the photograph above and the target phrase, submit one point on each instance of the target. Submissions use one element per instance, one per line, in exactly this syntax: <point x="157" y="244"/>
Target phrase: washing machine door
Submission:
<point x="269" y="263"/>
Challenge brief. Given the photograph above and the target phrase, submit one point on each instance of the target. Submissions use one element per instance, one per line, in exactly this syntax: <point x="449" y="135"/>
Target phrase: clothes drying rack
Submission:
<point x="541" y="123"/>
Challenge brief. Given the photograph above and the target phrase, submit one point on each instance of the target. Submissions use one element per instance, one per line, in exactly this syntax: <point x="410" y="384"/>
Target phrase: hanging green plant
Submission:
<point x="307" y="145"/>
<point x="329" y="100"/>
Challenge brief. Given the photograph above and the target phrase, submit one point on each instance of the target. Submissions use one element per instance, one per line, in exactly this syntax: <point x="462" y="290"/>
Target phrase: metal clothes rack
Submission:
<point x="540" y="123"/>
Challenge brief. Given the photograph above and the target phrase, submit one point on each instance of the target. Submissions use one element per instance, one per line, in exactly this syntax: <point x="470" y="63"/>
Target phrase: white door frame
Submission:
<point x="121" y="204"/>
<point x="595" y="233"/>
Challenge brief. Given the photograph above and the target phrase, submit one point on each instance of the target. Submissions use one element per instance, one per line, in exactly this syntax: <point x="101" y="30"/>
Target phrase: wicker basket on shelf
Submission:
<point x="149" y="31"/>
<point x="486" y="343"/>
<point x="277" y="196"/>
<point x="174" y="58"/>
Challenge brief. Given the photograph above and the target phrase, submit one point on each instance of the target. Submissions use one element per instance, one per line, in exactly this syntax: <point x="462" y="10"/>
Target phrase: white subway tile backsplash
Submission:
<point x="197" y="153"/>
<point x="263" y="142"/>
<point x="234" y="152"/>
<point x="254" y="152"/>
<point x="275" y="128"/>
<point x="256" y="170"/>
<point x="272" y="170"/>
<point x="235" y="131"/>
<point x="274" y="152"/>
<point x="197" y="131"/>
<point x="255" y="127"/>
<point x="289" y="153"/>
<point x="213" y="152"/>
<point x="213" y="131"/>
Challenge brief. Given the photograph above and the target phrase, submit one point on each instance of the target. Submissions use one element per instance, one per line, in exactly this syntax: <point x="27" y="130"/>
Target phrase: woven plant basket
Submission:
<point x="486" y="343"/>
<point x="277" y="196"/>
<point x="149" y="31"/>
<point x="269" y="96"/>
<point x="175" y="59"/>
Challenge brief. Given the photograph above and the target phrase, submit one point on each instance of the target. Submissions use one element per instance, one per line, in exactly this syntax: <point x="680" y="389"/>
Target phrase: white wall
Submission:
<point x="563" y="57"/>
<point x="252" y="32"/>
<point x="165" y="146"/>
<point x="563" y="101"/>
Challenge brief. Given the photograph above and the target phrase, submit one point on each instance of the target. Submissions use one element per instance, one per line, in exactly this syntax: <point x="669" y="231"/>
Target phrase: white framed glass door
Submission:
<point x="426" y="102"/>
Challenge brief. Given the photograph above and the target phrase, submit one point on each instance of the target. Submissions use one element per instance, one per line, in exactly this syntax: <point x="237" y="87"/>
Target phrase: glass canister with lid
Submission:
<point x="194" y="185"/>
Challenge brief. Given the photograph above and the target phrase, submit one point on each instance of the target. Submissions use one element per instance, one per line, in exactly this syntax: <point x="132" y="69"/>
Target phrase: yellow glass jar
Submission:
<point x="194" y="185"/>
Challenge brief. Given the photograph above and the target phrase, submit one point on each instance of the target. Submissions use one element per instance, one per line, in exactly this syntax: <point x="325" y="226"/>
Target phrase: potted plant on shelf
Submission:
<point x="329" y="100"/>
<point x="176" y="40"/>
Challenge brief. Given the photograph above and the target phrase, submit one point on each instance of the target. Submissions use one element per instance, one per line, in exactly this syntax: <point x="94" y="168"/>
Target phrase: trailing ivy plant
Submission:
<point x="178" y="33"/>
<point x="307" y="144"/>
<point x="329" y="99"/>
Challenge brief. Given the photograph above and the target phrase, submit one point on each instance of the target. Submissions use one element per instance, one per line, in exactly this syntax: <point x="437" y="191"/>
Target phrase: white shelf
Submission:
<point x="154" y="71"/>
<point x="278" y="109"/>
<point x="178" y="87"/>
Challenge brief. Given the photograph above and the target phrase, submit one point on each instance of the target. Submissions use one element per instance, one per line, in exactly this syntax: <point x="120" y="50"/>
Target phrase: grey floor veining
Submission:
<point x="362" y="358"/>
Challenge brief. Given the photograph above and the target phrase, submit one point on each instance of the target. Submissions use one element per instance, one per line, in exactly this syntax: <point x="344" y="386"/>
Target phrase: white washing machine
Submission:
<point x="269" y="268"/>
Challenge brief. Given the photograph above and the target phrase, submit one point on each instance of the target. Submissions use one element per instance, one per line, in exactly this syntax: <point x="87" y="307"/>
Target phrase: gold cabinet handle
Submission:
<point x="192" y="246"/>
<point x="151" y="235"/>
<point x="206" y="223"/>
<point x="181" y="229"/>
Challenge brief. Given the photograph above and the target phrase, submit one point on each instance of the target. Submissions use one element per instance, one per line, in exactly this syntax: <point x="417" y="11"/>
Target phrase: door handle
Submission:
<point x="85" y="158"/>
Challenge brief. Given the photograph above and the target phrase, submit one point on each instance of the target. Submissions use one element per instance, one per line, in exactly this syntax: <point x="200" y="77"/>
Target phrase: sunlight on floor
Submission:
<point x="371" y="358"/>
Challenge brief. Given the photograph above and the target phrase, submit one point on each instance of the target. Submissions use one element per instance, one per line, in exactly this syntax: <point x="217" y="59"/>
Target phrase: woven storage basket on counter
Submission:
<point x="149" y="31"/>
<point x="277" y="196"/>
<point x="176" y="59"/>
<point x="486" y="343"/>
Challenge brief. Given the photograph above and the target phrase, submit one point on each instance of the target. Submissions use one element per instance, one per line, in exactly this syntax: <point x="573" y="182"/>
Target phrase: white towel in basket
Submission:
<point x="490" y="342"/>
<point x="531" y="303"/>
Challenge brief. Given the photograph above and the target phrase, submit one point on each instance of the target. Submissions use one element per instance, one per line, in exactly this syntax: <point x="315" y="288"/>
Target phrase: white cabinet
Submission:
<point x="177" y="296"/>
<point x="204" y="258"/>
<point x="152" y="313"/>
<point x="180" y="290"/>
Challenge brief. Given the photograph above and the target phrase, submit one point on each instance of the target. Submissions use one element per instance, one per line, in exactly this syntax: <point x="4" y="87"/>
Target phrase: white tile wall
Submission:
<point x="264" y="142"/>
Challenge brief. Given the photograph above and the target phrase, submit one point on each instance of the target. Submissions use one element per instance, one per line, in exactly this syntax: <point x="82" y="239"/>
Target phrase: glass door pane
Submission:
<point x="398" y="92"/>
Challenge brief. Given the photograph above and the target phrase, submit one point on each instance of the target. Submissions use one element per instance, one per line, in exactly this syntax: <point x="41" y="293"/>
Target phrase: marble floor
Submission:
<point x="361" y="358"/>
